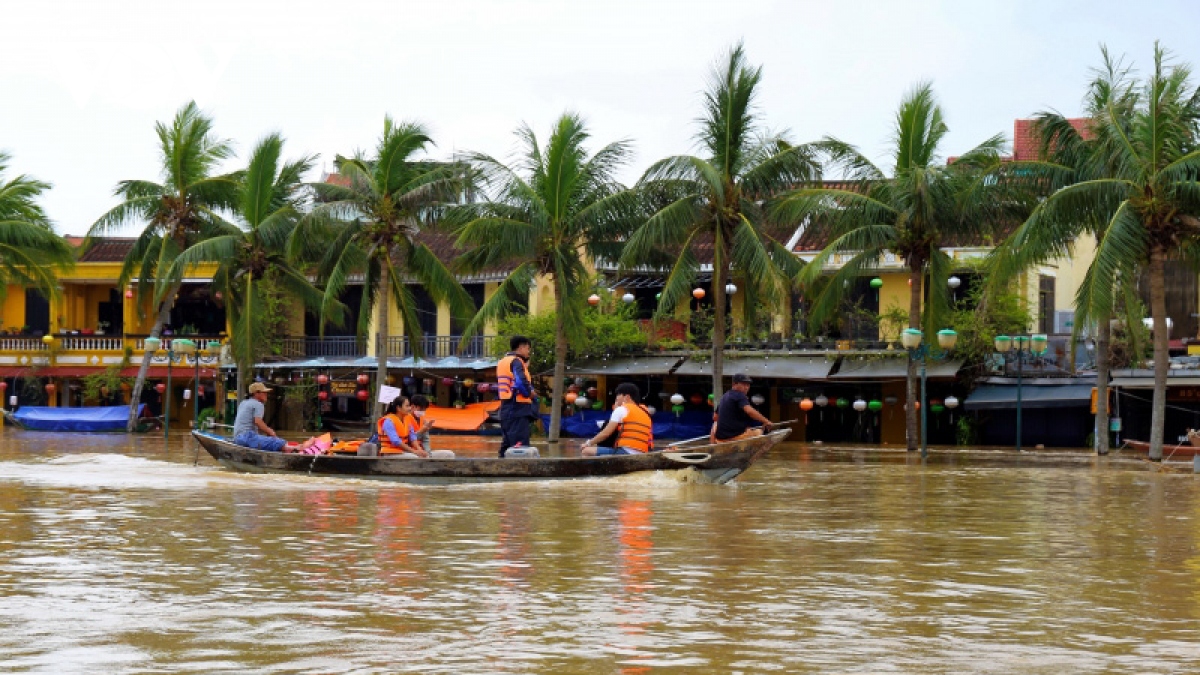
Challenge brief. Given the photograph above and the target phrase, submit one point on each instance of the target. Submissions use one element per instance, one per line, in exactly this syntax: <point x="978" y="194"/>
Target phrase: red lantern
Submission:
<point x="218" y="295"/>
<point x="129" y="294"/>
<point x="910" y="283"/>
<point x="362" y="394"/>
<point x="3" y="385"/>
<point x="570" y="397"/>
<point x="593" y="300"/>
<point x="50" y="387"/>
<point x="363" y="378"/>
<point x="322" y="379"/>
<point x="448" y="381"/>
<point x="591" y="392"/>
<point x="160" y="387"/>
<point x="697" y="399"/>
<point x="698" y="293"/>
<point x="323" y="395"/>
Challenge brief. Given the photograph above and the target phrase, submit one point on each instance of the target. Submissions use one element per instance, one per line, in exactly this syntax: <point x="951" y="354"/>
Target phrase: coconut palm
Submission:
<point x="552" y="204"/>
<point x="1137" y="190"/>
<point x="270" y="197"/>
<point x="717" y="201"/>
<point x="30" y="252"/>
<point x="176" y="213"/>
<point x="369" y="222"/>
<point x="912" y="214"/>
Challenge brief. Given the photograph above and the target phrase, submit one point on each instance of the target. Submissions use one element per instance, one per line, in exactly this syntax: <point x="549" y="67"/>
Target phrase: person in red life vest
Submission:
<point x="735" y="414"/>
<point x="517" y="407"/>
<point x="394" y="437"/>
<point x="631" y="422"/>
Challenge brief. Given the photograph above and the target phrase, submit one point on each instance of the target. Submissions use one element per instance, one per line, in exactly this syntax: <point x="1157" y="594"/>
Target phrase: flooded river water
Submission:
<point x="118" y="555"/>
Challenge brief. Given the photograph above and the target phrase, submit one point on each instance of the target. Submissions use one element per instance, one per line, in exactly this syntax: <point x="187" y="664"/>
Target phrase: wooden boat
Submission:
<point x="719" y="463"/>
<point x="87" y="420"/>
<point x="1181" y="451"/>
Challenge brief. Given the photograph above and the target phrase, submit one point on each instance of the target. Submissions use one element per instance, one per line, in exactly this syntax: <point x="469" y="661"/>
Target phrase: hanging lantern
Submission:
<point x="730" y="289"/>
<point x="187" y="394"/>
<point x="592" y="391"/>
<point x="50" y="387"/>
<point x="677" y="399"/>
<point x="448" y="381"/>
<point x="200" y="391"/>
<point x="362" y="394"/>
<point x="875" y="405"/>
<point x="579" y="382"/>
<point x="484" y="387"/>
<point x="408" y="381"/>
<point x="214" y="346"/>
<point x="599" y="405"/>
<point x="183" y="346"/>
<point x="429" y="381"/>
<point x="843" y="403"/>
<point x="363" y="378"/>
<point x="948" y="338"/>
<point x="822" y="400"/>
<point x="698" y="293"/>
<point x="877" y="283"/>
<point x="650" y="410"/>
<point x="1037" y="344"/>
<point x="581" y="401"/>
<point x="390" y="380"/>
<point x="677" y="409"/>
<point x="890" y="400"/>
<point x="323" y="395"/>
<point x="160" y="387"/>
<point x="936" y="408"/>
<point x="3" y="386"/>
<point x="322" y="379"/>
<point x="757" y="399"/>
<point x="593" y="299"/>
<point x="910" y="283"/>
<point x="697" y="399"/>
<point x="468" y="382"/>
<point x="628" y="298"/>
<point x="806" y="404"/>
<point x="218" y="295"/>
<point x="951" y="402"/>
<point x="570" y="397"/>
<point x="954" y="282"/>
<point x="860" y="405"/>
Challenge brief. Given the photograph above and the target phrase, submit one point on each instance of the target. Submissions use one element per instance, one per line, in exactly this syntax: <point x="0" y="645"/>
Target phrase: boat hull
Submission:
<point x="1173" y="451"/>
<point x="718" y="463"/>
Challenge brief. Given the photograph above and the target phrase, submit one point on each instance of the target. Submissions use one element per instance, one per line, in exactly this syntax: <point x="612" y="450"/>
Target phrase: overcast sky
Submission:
<point x="83" y="82"/>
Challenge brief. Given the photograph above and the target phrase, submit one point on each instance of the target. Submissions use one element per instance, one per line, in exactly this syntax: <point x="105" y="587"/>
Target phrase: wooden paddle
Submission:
<point x="693" y="440"/>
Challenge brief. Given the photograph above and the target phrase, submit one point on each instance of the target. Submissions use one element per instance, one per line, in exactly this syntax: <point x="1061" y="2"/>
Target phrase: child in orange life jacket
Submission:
<point x="631" y="422"/>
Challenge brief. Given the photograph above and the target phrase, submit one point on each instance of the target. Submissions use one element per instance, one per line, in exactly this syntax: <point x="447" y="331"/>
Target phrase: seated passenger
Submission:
<point x="249" y="429"/>
<point x="394" y="435"/>
<point x="418" y="424"/>
<point x="631" y="422"/>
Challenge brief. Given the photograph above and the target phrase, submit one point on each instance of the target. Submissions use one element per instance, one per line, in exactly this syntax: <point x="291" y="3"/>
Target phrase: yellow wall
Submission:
<point x="895" y="293"/>
<point x="14" y="308"/>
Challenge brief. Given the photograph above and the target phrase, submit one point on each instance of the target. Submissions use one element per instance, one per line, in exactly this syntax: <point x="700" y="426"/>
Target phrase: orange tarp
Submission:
<point x="460" y="419"/>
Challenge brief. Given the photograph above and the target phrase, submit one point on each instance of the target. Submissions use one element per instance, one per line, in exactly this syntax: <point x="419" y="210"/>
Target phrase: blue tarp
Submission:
<point x="105" y="418"/>
<point x="688" y="424"/>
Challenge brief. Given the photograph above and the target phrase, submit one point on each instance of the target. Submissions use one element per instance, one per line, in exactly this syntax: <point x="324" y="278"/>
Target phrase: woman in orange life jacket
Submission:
<point x="394" y="435"/>
<point x="631" y="422"/>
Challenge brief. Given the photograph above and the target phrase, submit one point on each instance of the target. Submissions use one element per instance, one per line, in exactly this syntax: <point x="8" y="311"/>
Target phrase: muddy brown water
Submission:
<point x="118" y="555"/>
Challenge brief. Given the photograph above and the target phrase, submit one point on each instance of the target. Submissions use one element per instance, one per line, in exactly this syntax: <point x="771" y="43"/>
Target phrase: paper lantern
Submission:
<point x="362" y="394"/>
<point x="390" y="380"/>
<point x="891" y="400"/>
<point x="593" y="299"/>
<point x="322" y="379"/>
<point x="843" y="403"/>
<point x="129" y="294"/>
<point x="363" y="378"/>
<point x="730" y="289"/>
<point x="468" y="382"/>
<point x="757" y="399"/>
<point x="323" y="395"/>
<point x="698" y="293"/>
<point x="677" y="399"/>
<point x="48" y="339"/>
<point x="448" y="381"/>
<point x="806" y="404"/>
<point x="570" y="397"/>
<point x="599" y="405"/>
<point x="484" y="387"/>
<point x="954" y="282"/>
<point x="50" y="387"/>
<point x="3" y="386"/>
<point x="187" y="394"/>
<point x="628" y="298"/>
<point x="214" y="346"/>
<point x="579" y="382"/>
<point x="822" y="400"/>
<point x="910" y="283"/>
<point x="697" y="399"/>
<point x="911" y="338"/>
<point x="183" y="346"/>
<point x="650" y="410"/>
<point x="408" y="381"/>
<point x="677" y="409"/>
<point x="200" y="390"/>
<point x="160" y="387"/>
<point x="591" y="391"/>
<point x="429" y="381"/>
<point x="951" y="402"/>
<point x="1003" y="343"/>
<point x="875" y="405"/>
<point x="581" y="401"/>
<point x="877" y="283"/>
<point x="936" y="408"/>
<point x="860" y="405"/>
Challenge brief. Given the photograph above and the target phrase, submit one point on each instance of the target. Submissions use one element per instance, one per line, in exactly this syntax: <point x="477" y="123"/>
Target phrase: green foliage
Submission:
<point x="602" y="334"/>
<point x="206" y="415"/>
<point x="980" y="320"/>
<point x="966" y="431"/>
<point x="892" y="321"/>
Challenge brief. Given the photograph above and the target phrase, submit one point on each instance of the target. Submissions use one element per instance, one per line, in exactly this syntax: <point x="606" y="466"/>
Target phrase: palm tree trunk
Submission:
<point x="1103" y="365"/>
<point x="1158" y="310"/>
<point x="381" y="341"/>
<point x="164" y="313"/>
<point x="719" y="320"/>
<point x="245" y="360"/>
<point x="560" y="368"/>
<point x="911" y="425"/>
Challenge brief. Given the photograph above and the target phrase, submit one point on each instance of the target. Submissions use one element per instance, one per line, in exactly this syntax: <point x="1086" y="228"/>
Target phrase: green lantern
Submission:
<point x="598" y="405"/>
<point x="875" y="405"/>
<point x="843" y="403"/>
<point x="676" y="409"/>
<point x="937" y="408"/>
<point x="877" y="283"/>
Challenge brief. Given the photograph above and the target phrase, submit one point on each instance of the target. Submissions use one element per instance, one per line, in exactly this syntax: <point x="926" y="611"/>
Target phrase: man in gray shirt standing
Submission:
<point x="249" y="429"/>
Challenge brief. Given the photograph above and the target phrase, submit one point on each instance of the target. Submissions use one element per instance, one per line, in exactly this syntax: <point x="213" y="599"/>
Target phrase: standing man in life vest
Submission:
<point x="517" y="406"/>
<point x="630" y="420"/>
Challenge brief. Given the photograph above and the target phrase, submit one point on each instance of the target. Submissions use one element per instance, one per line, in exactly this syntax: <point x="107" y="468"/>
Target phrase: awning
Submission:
<point x="640" y="365"/>
<point x="154" y="372"/>
<point x="788" y="367"/>
<point x="1144" y="378"/>
<point x="1003" y="397"/>
<point x="891" y="368"/>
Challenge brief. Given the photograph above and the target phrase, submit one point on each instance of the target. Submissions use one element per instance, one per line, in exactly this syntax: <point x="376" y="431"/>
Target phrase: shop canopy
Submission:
<point x="891" y="368"/>
<point x="1144" y="378"/>
<point x="627" y="365"/>
<point x="787" y="367"/>
<point x="1004" y="397"/>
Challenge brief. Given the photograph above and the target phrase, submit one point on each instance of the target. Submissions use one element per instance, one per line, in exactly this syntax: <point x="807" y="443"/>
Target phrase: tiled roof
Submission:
<point x="108" y="249"/>
<point x="1025" y="142"/>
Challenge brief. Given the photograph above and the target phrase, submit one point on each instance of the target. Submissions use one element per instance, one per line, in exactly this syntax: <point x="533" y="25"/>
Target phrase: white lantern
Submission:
<point x="947" y="338"/>
<point x="822" y="400"/>
<point x="677" y="399"/>
<point x="954" y="282"/>
<point x="187" y="394"/>
<point x="911" y="338"/>
<point x="860" y="405"/>
<point x="951" y="402"/>
<point x="12" y="401"/>
<point x="757" y="399"/>
<point x="628" y="298"/>
<point x="581" y="401"/>
<point x="730" y="289"/>
<point x="650" y="410"/>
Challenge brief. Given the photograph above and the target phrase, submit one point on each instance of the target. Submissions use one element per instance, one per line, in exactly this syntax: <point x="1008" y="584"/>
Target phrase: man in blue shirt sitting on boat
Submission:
<point x="249" y="429"/>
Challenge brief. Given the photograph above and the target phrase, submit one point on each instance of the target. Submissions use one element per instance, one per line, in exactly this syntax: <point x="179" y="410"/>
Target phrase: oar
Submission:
<point x="690" y="440"/>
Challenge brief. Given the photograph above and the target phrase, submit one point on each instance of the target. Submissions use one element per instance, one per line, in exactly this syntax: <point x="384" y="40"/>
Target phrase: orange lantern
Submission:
<point x="129" y="294"/>
<point x="593" y="299"/>
<point x="806" y="404"/>
<point x="570" y="397"/>
<point x="50" y="387"/>
<point x="698" y="293"/>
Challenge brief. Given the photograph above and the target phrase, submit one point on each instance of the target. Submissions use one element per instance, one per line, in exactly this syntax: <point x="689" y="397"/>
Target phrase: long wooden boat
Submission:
<point x="719" y="463"/>
<point x="1181" y="451"/>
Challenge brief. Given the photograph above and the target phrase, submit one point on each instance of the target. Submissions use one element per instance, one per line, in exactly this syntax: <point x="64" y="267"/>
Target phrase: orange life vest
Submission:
<point x="505" y="381"/>
<point x="385" y="444"/>
<point x="636" y="432"/>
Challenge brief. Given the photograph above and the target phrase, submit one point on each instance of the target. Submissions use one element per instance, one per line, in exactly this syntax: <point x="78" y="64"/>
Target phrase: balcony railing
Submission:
<point x="315" y="347"/>
<point x="439" y="346"/>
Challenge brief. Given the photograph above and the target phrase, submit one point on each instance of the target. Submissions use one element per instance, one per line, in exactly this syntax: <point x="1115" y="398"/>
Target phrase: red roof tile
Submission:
<point x="108" y="249"/>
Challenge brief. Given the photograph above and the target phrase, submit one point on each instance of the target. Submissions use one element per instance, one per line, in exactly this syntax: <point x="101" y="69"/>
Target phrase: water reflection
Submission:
<point x="121" y="556"/>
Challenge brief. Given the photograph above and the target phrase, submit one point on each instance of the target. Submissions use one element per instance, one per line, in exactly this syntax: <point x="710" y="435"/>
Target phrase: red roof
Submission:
<point x="1025" y="142"/>
<point x="108" y="249"/>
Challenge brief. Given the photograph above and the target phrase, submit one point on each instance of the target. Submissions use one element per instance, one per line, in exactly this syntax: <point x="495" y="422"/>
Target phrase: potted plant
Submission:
<point x="459" y="404"/>
<point x="102" y="327"/>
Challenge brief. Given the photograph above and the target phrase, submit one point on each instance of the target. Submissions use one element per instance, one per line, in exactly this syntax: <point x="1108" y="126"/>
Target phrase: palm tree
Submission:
<point x="370" y="222"/>
<point x="553" y="205"/>
<point x="30" y="252"/>
<point x="717" y="201"/>
<point x="1137" y="190"/>
<point x="175" y="214"/>
<point x="270" y="197"/>
<point x="912" y="214"/>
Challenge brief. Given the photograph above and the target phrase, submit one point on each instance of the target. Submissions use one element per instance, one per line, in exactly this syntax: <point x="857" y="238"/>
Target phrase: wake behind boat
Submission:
<point x="719" y="463"/>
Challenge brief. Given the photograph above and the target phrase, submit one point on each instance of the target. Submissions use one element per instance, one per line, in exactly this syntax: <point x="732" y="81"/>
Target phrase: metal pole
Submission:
<point x="924" y="407"/>
<point x="196" y="393"/>
<point x="167" y="397"/>
<point x="1019" y="364"/>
